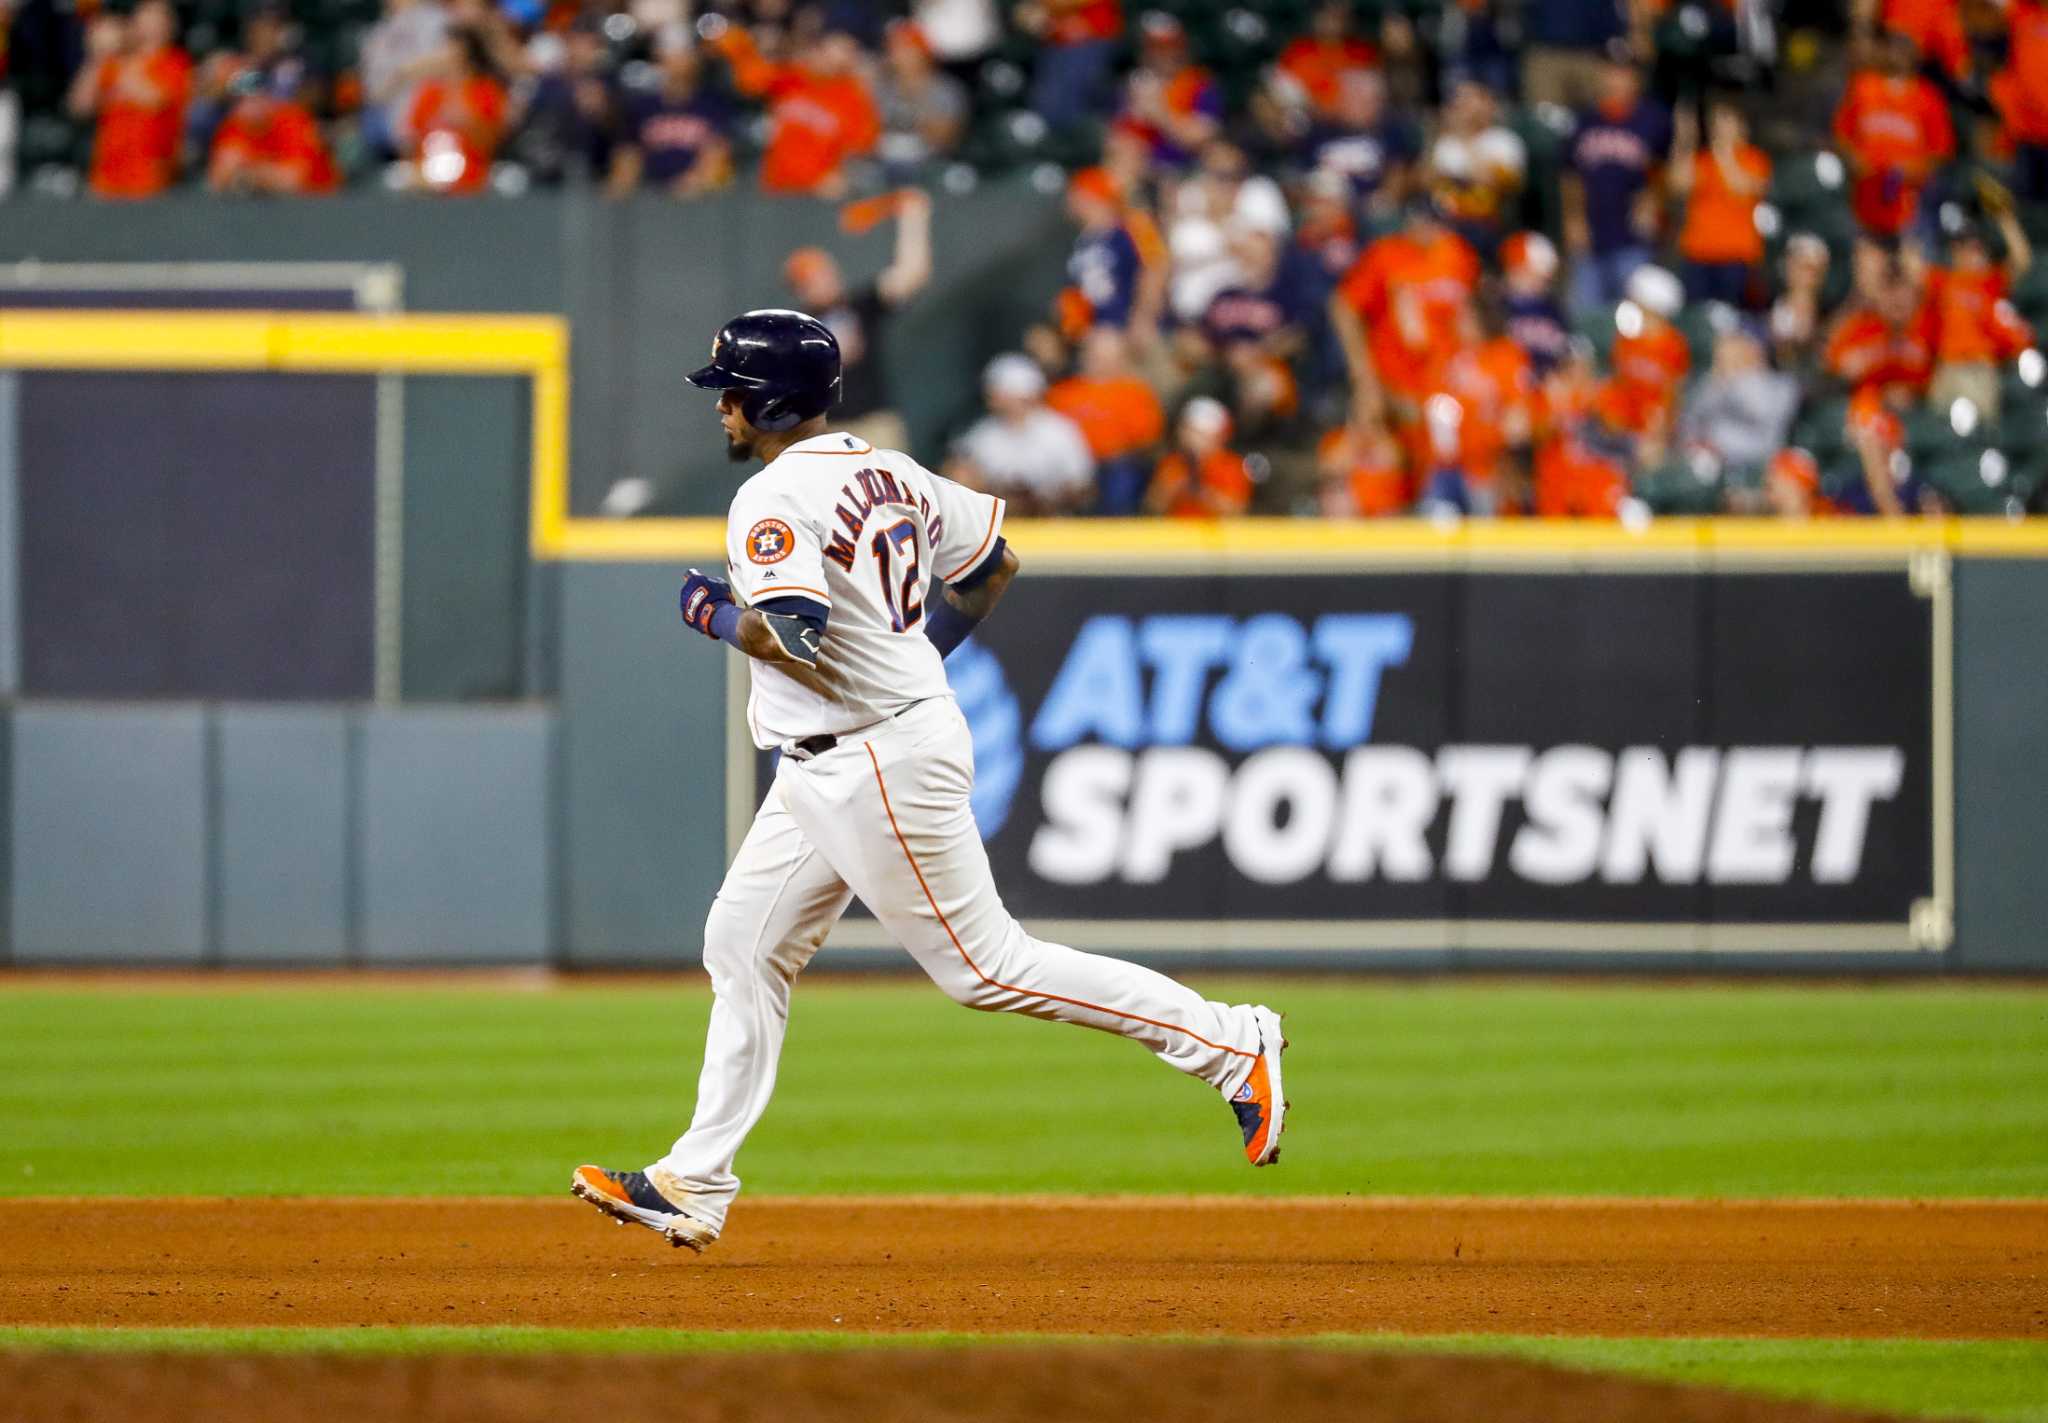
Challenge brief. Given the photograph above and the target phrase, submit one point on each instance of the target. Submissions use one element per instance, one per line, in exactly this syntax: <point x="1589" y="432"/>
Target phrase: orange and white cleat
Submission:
<point x="629" y="1198"/>
<point x="1261" y="1104"/>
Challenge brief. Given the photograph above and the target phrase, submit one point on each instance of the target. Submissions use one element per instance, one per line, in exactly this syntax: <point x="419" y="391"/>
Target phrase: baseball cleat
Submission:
<point x="629" y="1198"/>
<point x="1260" y="1104"/>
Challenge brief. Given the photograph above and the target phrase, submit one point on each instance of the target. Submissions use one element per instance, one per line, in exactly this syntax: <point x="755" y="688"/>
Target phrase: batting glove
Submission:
<point x="701" y="598"/>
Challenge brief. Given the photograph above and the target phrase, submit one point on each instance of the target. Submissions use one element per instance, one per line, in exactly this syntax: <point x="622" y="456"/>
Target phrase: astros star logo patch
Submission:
<point x="769" y="541"/>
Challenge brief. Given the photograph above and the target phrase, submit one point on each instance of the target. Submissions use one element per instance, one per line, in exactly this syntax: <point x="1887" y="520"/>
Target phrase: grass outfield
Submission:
<point x="1997" y="1381"/>
<point x="887" y="1087"/>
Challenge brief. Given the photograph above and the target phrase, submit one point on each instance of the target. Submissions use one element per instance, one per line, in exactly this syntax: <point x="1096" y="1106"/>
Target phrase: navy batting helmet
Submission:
<point x="784" y="363"/>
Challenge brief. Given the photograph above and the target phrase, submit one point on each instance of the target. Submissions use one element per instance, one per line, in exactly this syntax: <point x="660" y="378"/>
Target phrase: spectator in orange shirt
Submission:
<point x="1722" y="187"/>
<point x="1580" y="469"/>
<point x="1201" y="477"/>
<point x="1174" y="101"/>
<point x="1878" y="436"/>
<point x="136" y="83"/>
<point x="1397" y="310"/>
<point x="269" y="47"/>
<point x="1894" y="128"/>
<point x="1792" y="486"/>
<point x="1119" y="415"/>
<point x="1077" y="42"/>
<point x="267" y="144"/>
<point x="1975" y="325"/>
<point x="1650" y="358"/>
<point x="1478" y="413"/>
<point x="457" y="118"/>
<point x="2020" y="91"/>
<point x="1886" y="345"/>
<point x="1934" y="26"/>
<point x="1359" y="473"/>
<point x="821" y="113"/>
<point x="1315" y="63"/>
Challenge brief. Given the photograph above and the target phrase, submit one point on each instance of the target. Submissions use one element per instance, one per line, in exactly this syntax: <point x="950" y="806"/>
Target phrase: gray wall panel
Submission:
<point x="464" y="587"/>
<point x="109" y="833"/>
<point x="643" y="766"/>
<point x="283" y="817"/>
<point x="6" y="833"/>
<point x="456" y="825"/>
<point x="10" y="533"/>
<point x="2001" y="763"/>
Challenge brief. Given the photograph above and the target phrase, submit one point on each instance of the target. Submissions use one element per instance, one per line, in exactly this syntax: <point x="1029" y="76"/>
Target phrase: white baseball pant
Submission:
<point x="885" y="815"/>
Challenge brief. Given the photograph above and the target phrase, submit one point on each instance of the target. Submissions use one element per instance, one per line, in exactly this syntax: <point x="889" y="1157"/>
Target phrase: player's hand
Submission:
<point x="702" y="596"/>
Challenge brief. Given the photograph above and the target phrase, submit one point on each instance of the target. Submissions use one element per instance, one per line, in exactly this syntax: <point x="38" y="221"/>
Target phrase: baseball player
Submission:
<point x="851" y="572"/>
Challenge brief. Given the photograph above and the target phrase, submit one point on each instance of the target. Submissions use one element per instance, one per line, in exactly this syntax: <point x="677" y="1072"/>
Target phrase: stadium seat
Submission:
<point x="1678" y="486"/>
<point x="1597" y="328"/>
<point x="2031" y="294"/>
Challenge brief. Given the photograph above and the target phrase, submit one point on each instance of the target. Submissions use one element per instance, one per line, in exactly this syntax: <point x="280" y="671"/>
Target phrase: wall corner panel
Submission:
<point x="108" y="817"/>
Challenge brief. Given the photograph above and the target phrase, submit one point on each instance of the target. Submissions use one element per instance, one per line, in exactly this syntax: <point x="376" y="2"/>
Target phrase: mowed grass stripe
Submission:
<point x="1997" y="1381"/>
<point x="1479" y="1089"/>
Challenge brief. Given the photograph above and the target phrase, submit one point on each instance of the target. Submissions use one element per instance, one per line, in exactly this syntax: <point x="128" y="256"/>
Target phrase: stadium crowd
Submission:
<point x="1595" y="258"/>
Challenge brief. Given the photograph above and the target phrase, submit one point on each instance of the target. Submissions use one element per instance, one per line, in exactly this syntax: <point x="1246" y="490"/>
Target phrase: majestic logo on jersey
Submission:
<point x="770" y="541"/>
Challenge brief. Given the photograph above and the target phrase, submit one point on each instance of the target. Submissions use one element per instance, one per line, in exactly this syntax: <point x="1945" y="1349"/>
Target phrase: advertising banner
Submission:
<point x="1568" y="759"/>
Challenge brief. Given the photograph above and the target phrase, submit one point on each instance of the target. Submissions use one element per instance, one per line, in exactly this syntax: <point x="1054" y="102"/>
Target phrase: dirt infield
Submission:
<point x="1124" y="1266"/>
<point x="1106" y="1384"/>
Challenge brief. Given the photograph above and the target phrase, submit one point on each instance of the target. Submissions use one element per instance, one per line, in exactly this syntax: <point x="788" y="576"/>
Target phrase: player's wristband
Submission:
<point x="725" y="623"/>
<point x="946" y="625"/>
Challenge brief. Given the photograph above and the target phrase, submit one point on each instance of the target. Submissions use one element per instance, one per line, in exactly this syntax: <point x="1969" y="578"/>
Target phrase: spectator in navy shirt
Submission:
<point x="1360" y="140"/>
<point x="1614" y="164"/>
<point x="1534" y="321"/>
<point x="1274" y="305"/>
<point x="1259" y="327"/>
<point x="675" y="135"/>
<point x="1562" y="53"/>
<point x="568" y="117"/>
<point x="1104" y="269"/>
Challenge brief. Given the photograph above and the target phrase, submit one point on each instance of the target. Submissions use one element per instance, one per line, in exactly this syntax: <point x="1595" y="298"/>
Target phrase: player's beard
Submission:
<point x="738" y="450"/>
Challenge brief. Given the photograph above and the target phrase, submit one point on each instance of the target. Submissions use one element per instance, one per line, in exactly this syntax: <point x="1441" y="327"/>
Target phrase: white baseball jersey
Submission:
<point x="863" y="531"/>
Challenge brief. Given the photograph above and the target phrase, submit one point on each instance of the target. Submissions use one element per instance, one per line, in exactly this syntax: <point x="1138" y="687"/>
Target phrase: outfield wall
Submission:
<point x="592" y="830"/>
<point x="627" y="885"/>
<point x="201" y="834"/>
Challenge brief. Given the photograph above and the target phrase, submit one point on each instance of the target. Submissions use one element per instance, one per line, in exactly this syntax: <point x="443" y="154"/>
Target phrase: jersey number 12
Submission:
<point x="903" y="602"/>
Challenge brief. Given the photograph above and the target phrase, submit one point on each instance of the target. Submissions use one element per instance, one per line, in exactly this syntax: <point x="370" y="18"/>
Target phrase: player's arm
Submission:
<point x="962" y="605"/>
<point x="787" y="631"/>
<point x="790" y="636"/>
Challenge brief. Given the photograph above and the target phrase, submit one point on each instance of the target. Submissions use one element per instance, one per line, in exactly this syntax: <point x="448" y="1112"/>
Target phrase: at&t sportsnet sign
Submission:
<point x="1557" y="760"/>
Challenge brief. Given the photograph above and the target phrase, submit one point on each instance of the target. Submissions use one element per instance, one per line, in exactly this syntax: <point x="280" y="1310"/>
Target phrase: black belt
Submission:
<point x="824" y="741"/>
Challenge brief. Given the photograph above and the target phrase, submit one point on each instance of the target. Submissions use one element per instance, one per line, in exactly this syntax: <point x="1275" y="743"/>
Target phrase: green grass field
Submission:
<point x="1470" y="1089"/>
<point x="1511" y="1090"/>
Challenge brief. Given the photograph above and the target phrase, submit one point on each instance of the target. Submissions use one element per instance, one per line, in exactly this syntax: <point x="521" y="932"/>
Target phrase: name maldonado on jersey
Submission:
<point x="863" y="531"/>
